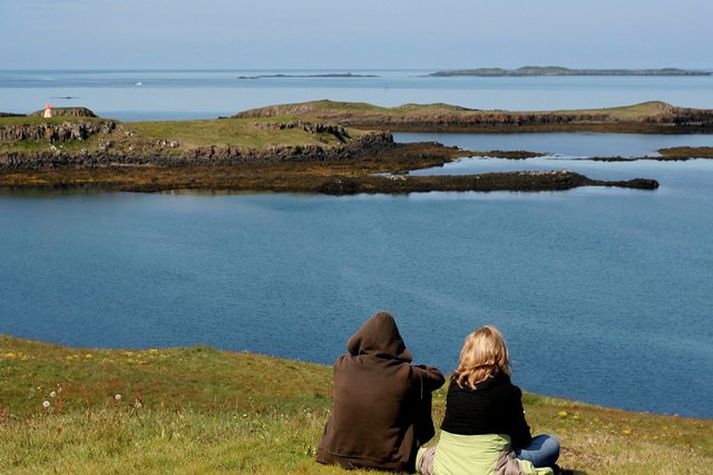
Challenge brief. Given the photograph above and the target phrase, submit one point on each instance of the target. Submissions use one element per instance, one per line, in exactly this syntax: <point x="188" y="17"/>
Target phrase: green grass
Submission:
<point x="229" y="132"/>
<point x="35" y="120"/>
<point x="204" y="410"/>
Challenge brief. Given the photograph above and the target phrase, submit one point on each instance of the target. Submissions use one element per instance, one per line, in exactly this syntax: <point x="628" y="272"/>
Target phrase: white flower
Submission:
<point x="46" y="404"/>
<point x="53" y="394"/>
<point x="117" y="397"/>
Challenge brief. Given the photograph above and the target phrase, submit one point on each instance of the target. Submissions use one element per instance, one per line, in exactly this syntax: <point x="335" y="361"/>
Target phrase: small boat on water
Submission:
<point x="139" y="83"/>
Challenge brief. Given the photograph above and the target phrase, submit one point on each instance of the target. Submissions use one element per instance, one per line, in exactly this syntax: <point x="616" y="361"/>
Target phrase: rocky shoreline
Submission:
<point x="216" y="178"/>
<point x="55" y="133"/>
<point x="381" y="170"/>
<point x="672" y="154"/>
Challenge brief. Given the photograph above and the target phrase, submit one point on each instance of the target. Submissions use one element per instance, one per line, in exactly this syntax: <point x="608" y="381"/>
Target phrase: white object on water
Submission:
<point x="139" y="83"/>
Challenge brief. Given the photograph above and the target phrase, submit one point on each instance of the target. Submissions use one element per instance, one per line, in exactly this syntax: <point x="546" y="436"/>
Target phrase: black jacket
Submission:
<point x="493" y="407"/>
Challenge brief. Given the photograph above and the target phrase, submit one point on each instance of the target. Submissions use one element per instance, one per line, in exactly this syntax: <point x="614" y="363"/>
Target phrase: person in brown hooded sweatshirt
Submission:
<point x="381" y="410"/>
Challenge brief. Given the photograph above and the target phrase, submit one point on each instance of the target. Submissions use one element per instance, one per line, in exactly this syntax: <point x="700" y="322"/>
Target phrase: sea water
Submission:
<point x="605" y="295"/>
<point x="154" y="95"/>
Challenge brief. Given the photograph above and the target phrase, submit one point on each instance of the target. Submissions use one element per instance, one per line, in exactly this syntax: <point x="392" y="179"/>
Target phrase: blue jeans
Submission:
<point x="543" y="451"/>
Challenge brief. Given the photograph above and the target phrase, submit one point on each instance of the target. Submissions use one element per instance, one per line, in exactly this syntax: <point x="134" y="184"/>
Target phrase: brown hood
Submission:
<point x="379" y="336"/>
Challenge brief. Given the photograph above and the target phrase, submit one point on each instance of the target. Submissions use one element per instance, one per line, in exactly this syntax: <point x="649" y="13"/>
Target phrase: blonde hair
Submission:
<point x="484" y="353"/>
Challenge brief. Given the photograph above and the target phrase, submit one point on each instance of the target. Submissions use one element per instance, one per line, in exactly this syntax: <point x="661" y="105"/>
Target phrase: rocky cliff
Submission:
<point x="55" y="132"/>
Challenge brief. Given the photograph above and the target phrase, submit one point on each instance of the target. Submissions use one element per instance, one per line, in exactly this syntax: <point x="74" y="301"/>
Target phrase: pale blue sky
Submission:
<point x="361" y="34"/>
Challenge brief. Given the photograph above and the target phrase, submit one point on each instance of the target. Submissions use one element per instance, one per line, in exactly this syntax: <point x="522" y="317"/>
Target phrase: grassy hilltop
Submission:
<point x="646" y="117"/>
<point x="196" y="410"/>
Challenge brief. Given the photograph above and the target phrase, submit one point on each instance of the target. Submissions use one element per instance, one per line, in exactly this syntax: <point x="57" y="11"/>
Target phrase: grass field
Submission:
<point x="237" y="132"/>
<point x="197" y="410"/>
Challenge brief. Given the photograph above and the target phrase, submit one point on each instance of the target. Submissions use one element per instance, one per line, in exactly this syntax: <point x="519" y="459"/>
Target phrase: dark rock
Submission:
<point x="55" y="133"/>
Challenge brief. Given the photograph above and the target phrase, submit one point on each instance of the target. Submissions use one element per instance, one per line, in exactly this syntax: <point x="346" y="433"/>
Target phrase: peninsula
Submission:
<point x="647" y="117"/>
<point x="276" y="153"/>
<point x="530" y="71"/>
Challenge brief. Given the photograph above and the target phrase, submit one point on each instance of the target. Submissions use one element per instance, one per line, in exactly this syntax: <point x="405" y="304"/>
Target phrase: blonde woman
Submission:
<point x="484" y="430"/>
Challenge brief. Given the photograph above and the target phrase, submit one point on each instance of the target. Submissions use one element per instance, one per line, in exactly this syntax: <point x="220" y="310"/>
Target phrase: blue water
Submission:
<point x="201" y="94"/>
<point x="566" y="144"/>
<point x="604" y="294"/>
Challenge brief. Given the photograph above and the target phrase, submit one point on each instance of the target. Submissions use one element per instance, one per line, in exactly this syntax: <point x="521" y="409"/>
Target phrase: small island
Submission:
<point x="325" y="75"/>
<point x="531" y="71"/>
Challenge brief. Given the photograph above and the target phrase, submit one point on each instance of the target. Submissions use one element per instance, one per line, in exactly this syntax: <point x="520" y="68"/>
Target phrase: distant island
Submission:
<point x="527" y="71"/>
<point x="326" y="75"/>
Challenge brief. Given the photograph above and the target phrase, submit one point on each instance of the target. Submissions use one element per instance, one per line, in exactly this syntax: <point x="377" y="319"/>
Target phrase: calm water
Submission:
<point x="604" y="294"/>
<point x="198" y="94"/>
<point x="569" y="144"/>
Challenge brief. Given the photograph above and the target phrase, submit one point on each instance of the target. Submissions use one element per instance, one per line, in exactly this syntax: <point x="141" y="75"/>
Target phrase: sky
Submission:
<point x="333" y="34"/>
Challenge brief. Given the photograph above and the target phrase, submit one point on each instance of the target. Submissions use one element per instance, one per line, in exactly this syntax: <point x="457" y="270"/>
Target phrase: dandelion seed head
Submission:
<point x="53" y="393"/>
<point x="117" y="397"/>
<point x="46" y="404"/>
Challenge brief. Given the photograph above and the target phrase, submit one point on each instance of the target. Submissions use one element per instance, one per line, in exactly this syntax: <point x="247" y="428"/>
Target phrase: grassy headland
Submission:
<point x="196" y="410"/>
<point x="647" y="117"/>
<point x="278" y="153"/>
